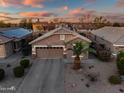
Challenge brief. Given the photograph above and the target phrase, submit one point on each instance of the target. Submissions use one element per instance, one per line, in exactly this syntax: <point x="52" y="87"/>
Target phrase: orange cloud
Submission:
<point x="86" y="14"/>
<point x="80" y="12"/>
<point x="36" y="14"/>
<point x="4" y="14"/>
<point x="32" y="3"/>
<point x="75" y="11"/>
<point x="120" y="3"/>
<point x="3" y="3"/>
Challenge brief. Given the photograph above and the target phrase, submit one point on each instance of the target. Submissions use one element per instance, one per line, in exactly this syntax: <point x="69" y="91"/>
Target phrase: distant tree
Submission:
<point x="55" y="20"/>
<point x="2" y="24"/>
<point x="8" y="24"/>
<point x="101" y="21"/>
<point x="29" y="24"/>
<point x="116" y="25"/>
<point x="22" y="23"/>
<point x="26" y="24"/>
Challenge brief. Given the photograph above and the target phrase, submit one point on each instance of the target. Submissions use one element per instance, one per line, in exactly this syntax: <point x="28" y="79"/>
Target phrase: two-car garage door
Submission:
<point x="49" y="52"/>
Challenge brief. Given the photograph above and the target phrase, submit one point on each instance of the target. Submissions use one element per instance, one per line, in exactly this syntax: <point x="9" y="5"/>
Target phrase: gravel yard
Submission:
<point x="75" y="81"/>
<point x="78" y="81"/>
<point x="10" y="83"/>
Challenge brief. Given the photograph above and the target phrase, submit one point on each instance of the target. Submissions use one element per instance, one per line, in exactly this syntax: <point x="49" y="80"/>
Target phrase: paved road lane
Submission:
<point x="46" y="76"/>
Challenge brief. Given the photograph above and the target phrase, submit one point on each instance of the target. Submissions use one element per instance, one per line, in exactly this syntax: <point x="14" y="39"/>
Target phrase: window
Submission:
<point x="62" y="37"/>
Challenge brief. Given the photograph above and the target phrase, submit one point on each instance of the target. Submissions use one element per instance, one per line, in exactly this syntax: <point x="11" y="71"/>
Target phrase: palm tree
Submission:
<point x="79" y="48"/>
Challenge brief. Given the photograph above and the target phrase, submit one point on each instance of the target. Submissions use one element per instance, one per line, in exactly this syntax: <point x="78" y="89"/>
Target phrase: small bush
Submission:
<point x="121" y="72"/>
<point x="2" y="74"/>
<point x="25" y="63"/>
<point x="120" y="55"/>
<point x="120" y="64"/>
<point x="18" y="71"/>
<point x="104" y="55"/>
<point x="114" y="79"/>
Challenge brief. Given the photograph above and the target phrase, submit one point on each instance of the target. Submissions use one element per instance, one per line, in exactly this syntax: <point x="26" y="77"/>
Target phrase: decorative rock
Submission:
<point x="121" y="90"/>
<point x="82" y="79"/>
<point x="8" y="65"/>
<point x="90" y="67"/>
<point x="73" y="85"/>
<point x="80" y="70"/>
<point x="87" y="85"/>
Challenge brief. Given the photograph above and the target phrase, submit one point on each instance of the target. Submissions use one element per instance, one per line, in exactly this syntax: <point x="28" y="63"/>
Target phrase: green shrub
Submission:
<point x="104" y="55"/>
<point x="121" y="72"/>
<point x="18" y="71"/>
<point x="120" y="63"/>
<point x="114" y="79"/>
<point x="2" y="74"/>
<point x="120" y="56"/>
<point x="25" y="63"/>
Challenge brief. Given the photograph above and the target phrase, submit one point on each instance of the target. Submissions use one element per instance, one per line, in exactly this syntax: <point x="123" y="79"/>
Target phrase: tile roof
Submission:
<point x="115" y="35"/>
<point x="4" y="39"/>
<point x="57" y="29"/>
<point x="14" y="32"/>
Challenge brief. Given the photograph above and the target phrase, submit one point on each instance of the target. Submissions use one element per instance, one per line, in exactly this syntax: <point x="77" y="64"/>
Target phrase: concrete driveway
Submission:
<point x="46" y="76"/>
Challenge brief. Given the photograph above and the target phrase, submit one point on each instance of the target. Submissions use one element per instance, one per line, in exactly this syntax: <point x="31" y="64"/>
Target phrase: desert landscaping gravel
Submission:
<point x="10" y="83"/>
<point x="78" y="82"/>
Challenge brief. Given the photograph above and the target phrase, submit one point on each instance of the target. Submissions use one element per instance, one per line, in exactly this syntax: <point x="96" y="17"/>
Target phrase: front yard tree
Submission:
<point x="79" y="48"/>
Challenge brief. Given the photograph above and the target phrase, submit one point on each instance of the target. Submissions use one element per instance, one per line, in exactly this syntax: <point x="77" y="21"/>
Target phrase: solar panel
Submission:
<point x="16" y="33"/>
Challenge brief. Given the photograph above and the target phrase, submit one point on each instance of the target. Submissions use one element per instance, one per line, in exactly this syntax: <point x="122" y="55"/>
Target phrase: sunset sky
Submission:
<point x="62" y="8"/>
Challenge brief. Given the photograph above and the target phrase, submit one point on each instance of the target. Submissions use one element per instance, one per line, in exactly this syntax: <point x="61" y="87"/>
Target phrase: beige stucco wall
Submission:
<point x="53" y="40"/>
<point x="2" y="51"/>
<point x="6" y="50"/>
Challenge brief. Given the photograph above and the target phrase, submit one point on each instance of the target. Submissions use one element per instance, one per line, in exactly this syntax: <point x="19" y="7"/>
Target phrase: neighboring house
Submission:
<point x="5" y="46"/>
<point x="55" y="43"/>
<point x="111" y="38"/>
<point x="42" y="27"/>
<point x="11" y="40"/>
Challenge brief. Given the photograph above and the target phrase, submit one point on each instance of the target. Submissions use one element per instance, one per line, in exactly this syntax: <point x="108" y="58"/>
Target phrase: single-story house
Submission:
<point x="42" y="27"/>
<point x="55" y="43"/>
<point x="11" y="39"/>
<point x="5" y="46"/>
<point x="112" y="38"/>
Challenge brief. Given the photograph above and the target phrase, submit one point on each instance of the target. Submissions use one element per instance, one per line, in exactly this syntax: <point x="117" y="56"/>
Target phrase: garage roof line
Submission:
<point x="57" y="29"/>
